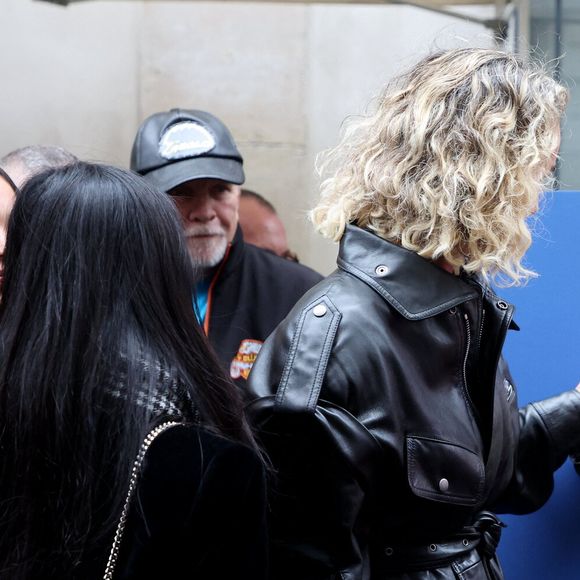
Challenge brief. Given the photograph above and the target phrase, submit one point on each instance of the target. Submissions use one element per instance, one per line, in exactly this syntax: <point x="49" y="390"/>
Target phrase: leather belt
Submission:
<point x="483" y="535"/>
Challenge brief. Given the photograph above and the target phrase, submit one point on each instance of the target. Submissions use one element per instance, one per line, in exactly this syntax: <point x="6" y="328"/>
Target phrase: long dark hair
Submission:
<point x="97" y="298"/>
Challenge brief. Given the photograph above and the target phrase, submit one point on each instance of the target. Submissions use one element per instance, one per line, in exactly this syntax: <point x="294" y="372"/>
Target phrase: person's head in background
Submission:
<point x="17" y="167"/>
<point x="261" y="224"/>
<point x="8" y="191"/>
<point x="98" y="343"/>
<point x="22" y="164"/>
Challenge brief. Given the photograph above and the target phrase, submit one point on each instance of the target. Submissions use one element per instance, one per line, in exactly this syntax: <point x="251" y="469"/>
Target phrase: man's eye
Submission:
<point x="221" y="189"/>
<point x="178" y="192"/>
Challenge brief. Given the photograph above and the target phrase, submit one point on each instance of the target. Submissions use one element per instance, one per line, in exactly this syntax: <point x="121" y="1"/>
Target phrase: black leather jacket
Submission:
<point x="392" y="421"/>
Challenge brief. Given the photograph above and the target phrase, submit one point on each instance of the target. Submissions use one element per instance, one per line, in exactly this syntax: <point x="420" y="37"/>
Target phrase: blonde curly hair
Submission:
<point x="451" y="163"/>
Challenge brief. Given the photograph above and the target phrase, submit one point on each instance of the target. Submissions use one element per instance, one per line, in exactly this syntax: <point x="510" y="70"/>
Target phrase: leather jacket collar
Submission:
<point x="414" y="286"/>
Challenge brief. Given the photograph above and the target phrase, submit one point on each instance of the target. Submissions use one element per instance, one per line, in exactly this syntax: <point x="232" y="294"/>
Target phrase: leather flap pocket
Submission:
<point x="444" y="471"/>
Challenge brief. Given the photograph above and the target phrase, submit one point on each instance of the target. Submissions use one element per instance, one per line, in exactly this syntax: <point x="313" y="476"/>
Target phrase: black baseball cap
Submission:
<point x="180" y="145"/>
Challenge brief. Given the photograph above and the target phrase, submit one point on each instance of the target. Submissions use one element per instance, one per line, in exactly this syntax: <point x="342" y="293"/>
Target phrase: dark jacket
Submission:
<point x="199" y="512"/>
<point x="392" y="421"/>
<point x="251" y="293"/>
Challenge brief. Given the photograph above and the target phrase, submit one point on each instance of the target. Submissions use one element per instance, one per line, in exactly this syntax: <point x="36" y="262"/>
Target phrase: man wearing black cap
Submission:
<point x="244" y="292"/>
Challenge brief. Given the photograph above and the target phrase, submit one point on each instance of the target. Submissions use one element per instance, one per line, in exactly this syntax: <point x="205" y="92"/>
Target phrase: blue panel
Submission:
<point x="544" y="359"/>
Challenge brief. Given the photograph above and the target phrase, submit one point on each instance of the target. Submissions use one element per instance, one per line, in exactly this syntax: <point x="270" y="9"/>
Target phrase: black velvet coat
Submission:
<point x="199" y="513"/>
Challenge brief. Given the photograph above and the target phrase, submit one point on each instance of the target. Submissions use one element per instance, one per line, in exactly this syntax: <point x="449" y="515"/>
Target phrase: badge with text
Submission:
<point x="246" y="356"/>
<point x="185" y="139"/>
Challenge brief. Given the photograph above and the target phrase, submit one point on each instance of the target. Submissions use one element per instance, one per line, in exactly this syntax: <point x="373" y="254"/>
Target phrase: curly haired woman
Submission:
<point x="383" y="399"/>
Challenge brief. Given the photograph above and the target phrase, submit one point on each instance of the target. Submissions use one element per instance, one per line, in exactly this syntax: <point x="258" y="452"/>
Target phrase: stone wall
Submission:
<point x="282" y="77"/>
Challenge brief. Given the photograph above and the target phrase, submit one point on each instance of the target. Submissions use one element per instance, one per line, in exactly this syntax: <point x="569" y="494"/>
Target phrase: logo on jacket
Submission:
<point x="245" y="358"/>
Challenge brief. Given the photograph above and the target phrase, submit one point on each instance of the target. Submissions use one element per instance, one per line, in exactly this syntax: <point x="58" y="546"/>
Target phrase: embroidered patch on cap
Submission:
<point x="185" y="139"/>
<point x="245" y="358"/>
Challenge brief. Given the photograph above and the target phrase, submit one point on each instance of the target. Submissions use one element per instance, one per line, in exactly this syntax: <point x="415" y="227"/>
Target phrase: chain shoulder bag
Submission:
<point x="114" y="553"/>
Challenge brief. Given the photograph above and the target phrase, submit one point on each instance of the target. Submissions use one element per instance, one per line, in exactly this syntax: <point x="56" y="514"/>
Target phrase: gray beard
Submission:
<point x="204" y="267"/>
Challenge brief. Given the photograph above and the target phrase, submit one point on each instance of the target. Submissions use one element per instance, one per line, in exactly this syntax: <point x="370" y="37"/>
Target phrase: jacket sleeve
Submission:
<point x="319" y="490"/>
<point x="549" y="431"/>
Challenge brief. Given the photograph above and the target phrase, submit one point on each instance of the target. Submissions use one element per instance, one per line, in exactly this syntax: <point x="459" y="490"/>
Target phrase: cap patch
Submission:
<point x="185" y="139"/>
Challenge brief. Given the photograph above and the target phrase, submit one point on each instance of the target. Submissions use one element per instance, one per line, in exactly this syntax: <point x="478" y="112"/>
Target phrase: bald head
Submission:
<point x="260" y="223"/>
<point x="22" y="164"/>
<point x="17" y="167"/>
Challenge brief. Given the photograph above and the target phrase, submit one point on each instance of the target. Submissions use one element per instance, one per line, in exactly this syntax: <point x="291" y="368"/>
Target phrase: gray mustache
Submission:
<point x="203" y="231"/>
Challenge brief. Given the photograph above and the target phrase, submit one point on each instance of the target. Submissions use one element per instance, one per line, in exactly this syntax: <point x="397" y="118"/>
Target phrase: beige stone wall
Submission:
<point x="282" y="77"/>
<point x="70" y="77"/>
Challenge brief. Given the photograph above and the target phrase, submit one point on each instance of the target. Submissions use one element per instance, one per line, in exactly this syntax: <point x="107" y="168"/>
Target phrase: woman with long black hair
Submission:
<point x="99" y="345"/>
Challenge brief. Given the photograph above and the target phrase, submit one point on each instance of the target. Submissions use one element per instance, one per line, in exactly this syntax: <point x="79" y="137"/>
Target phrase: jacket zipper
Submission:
<point x="481" y="327"/>
<point x="465" y="388"/>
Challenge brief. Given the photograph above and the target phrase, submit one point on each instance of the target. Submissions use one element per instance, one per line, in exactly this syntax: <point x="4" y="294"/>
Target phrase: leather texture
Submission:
<point x="391" y="418"/>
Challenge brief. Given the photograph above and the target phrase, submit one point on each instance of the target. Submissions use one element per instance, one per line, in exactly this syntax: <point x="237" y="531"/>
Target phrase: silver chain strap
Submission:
<point x="114" y="553"/>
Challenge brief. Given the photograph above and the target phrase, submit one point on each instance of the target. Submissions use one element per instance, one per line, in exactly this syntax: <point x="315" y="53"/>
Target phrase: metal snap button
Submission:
<point x="453" y="310"/>
<point x="389" y="551"/>
<point x="381" y="270"/>
<point x="443" y="484"/>
<point x="319" y="310"/>
<point x="502" y="305"/>
<point x="466" y="542"/>
<point x="433" y="547"/>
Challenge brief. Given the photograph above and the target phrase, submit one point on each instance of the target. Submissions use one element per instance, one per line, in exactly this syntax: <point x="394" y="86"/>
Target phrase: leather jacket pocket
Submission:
<point x="443" y="471"/>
